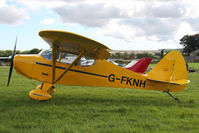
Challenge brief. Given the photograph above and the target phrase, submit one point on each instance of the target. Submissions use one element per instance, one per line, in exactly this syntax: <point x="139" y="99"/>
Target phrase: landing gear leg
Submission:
<point x="42" y="92"/>
<point x="175" y="98"/>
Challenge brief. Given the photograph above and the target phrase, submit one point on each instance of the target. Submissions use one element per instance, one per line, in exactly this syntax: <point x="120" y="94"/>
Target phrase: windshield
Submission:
<point x="47" y="53"/>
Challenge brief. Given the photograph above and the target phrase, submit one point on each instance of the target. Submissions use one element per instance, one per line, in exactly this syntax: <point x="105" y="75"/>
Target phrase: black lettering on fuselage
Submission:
<point x="142" y="83"/>
<point x="123" y="79"/>
<point x="111" y="78"/>
<point x="128" y="81"/>
<point x="136" y="82"/>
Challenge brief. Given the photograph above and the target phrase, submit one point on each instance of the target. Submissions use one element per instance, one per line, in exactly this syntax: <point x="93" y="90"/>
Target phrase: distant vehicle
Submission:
<point x="113" y="62"/>
<point x="5" y="58"/>
<point x="87" y="62"/>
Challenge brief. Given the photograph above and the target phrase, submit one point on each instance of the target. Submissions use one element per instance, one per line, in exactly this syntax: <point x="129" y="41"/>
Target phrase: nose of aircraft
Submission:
<point x="24" y="64"/>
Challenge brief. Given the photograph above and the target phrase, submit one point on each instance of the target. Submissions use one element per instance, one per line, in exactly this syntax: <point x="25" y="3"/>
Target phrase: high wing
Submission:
<point x="75" y="44"/>
<point x="72" y="43"/>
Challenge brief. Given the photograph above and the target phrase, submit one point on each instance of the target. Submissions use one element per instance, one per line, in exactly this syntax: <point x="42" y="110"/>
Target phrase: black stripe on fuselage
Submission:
<point x="73" y="70"/>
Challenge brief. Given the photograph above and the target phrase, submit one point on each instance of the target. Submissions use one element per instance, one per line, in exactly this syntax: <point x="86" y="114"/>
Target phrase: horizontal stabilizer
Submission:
<point x="178" y="82"/>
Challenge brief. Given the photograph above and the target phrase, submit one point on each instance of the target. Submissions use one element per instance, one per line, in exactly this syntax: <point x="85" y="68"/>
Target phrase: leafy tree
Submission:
<point x="190" y="43"/>
<point x="25" y="52"/>
<point x="118" y="54"/>
<point x="34" y="51"/>
<point x="162" y="53"/>
<point x="18" y="52"/>
<point x="144" y="55"/>
<point x="7" y="53"/>
<point x="125" y="56"/>
<point x="132" y="56"/>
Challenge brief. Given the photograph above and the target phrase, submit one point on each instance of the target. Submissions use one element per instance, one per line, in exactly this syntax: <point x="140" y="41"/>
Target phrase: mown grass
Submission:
<point x="77" y="109"/>
<point x="194" y="66"/>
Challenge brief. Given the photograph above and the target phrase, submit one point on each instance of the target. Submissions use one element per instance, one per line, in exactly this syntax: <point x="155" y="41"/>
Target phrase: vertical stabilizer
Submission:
<point x="172" y="68"/>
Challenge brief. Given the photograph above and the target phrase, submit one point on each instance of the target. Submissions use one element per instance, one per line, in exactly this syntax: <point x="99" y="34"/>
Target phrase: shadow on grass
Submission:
<point x="131" y="100"/>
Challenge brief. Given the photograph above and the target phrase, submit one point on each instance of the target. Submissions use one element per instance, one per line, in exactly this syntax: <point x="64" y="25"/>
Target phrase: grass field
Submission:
<point x="75" y="109"/>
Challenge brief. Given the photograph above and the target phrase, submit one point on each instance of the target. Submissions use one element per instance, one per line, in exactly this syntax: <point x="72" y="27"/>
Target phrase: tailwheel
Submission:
<point x="175" y="98"/>
<point x="42" y="92"/>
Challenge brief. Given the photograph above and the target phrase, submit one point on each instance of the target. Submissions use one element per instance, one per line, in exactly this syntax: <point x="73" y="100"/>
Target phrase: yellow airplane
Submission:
<point x="50" y="67"/>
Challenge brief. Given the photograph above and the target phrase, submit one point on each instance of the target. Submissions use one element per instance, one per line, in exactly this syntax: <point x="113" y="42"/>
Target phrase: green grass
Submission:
<point x="194" y="66"/>
<point x="75" y="109"/>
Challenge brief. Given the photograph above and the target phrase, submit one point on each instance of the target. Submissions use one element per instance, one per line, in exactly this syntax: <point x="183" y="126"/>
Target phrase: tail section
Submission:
<point x="141" y="65"/>
<point x="171" y="69"/>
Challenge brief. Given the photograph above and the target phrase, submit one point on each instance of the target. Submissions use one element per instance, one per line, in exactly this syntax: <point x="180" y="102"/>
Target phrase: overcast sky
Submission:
<point x="119" y="24"/>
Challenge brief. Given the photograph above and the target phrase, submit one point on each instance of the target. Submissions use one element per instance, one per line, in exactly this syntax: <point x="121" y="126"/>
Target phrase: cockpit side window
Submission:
<point x="66" y="58"/>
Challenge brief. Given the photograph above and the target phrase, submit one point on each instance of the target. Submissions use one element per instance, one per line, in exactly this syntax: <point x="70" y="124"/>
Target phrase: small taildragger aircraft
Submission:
<point x="50" y="67"/>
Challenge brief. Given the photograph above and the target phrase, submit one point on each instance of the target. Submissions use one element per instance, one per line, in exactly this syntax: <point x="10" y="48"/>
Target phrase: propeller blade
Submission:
<point x="11" y="63"/>
<point x="10" y="73"/>
<point x="15" y="47"/>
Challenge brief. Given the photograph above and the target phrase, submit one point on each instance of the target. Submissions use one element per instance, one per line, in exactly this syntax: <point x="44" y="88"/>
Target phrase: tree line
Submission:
<point x="131" y="56"/>
<point x="7" y="53"/>
<point x="189" y="43"/>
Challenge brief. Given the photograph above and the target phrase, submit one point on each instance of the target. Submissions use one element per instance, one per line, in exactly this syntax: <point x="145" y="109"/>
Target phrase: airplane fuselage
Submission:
<point x="101" y="73"/>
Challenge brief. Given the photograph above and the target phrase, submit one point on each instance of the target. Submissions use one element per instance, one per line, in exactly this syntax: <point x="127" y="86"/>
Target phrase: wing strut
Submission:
<point x="72" y="64"/>
<point x="54" y="50"/>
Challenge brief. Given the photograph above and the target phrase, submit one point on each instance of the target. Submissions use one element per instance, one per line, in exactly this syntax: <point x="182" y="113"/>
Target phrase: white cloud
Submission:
<point x="2" y="3"/>
<point x="11" y="14"/>
<point x="114" y="30"/>
<point x="36" y="4"/>
<point x="129" y="20"/>
<point x="192" y="10"/>
<point x="48" y="21"/>
<point x="152" y="20"/>
<point x="183" y="29"/>
<point x="165" y="10"/>
<point x="160" y="28"/>
<point x="88" y="15"/>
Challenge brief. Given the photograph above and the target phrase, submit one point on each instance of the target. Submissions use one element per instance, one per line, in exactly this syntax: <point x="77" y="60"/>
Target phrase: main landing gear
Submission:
<point x="42" y="92"/>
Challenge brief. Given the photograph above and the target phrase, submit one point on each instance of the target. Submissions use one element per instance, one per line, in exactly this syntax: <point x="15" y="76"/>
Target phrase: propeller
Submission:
<point x="11" y="63"/>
